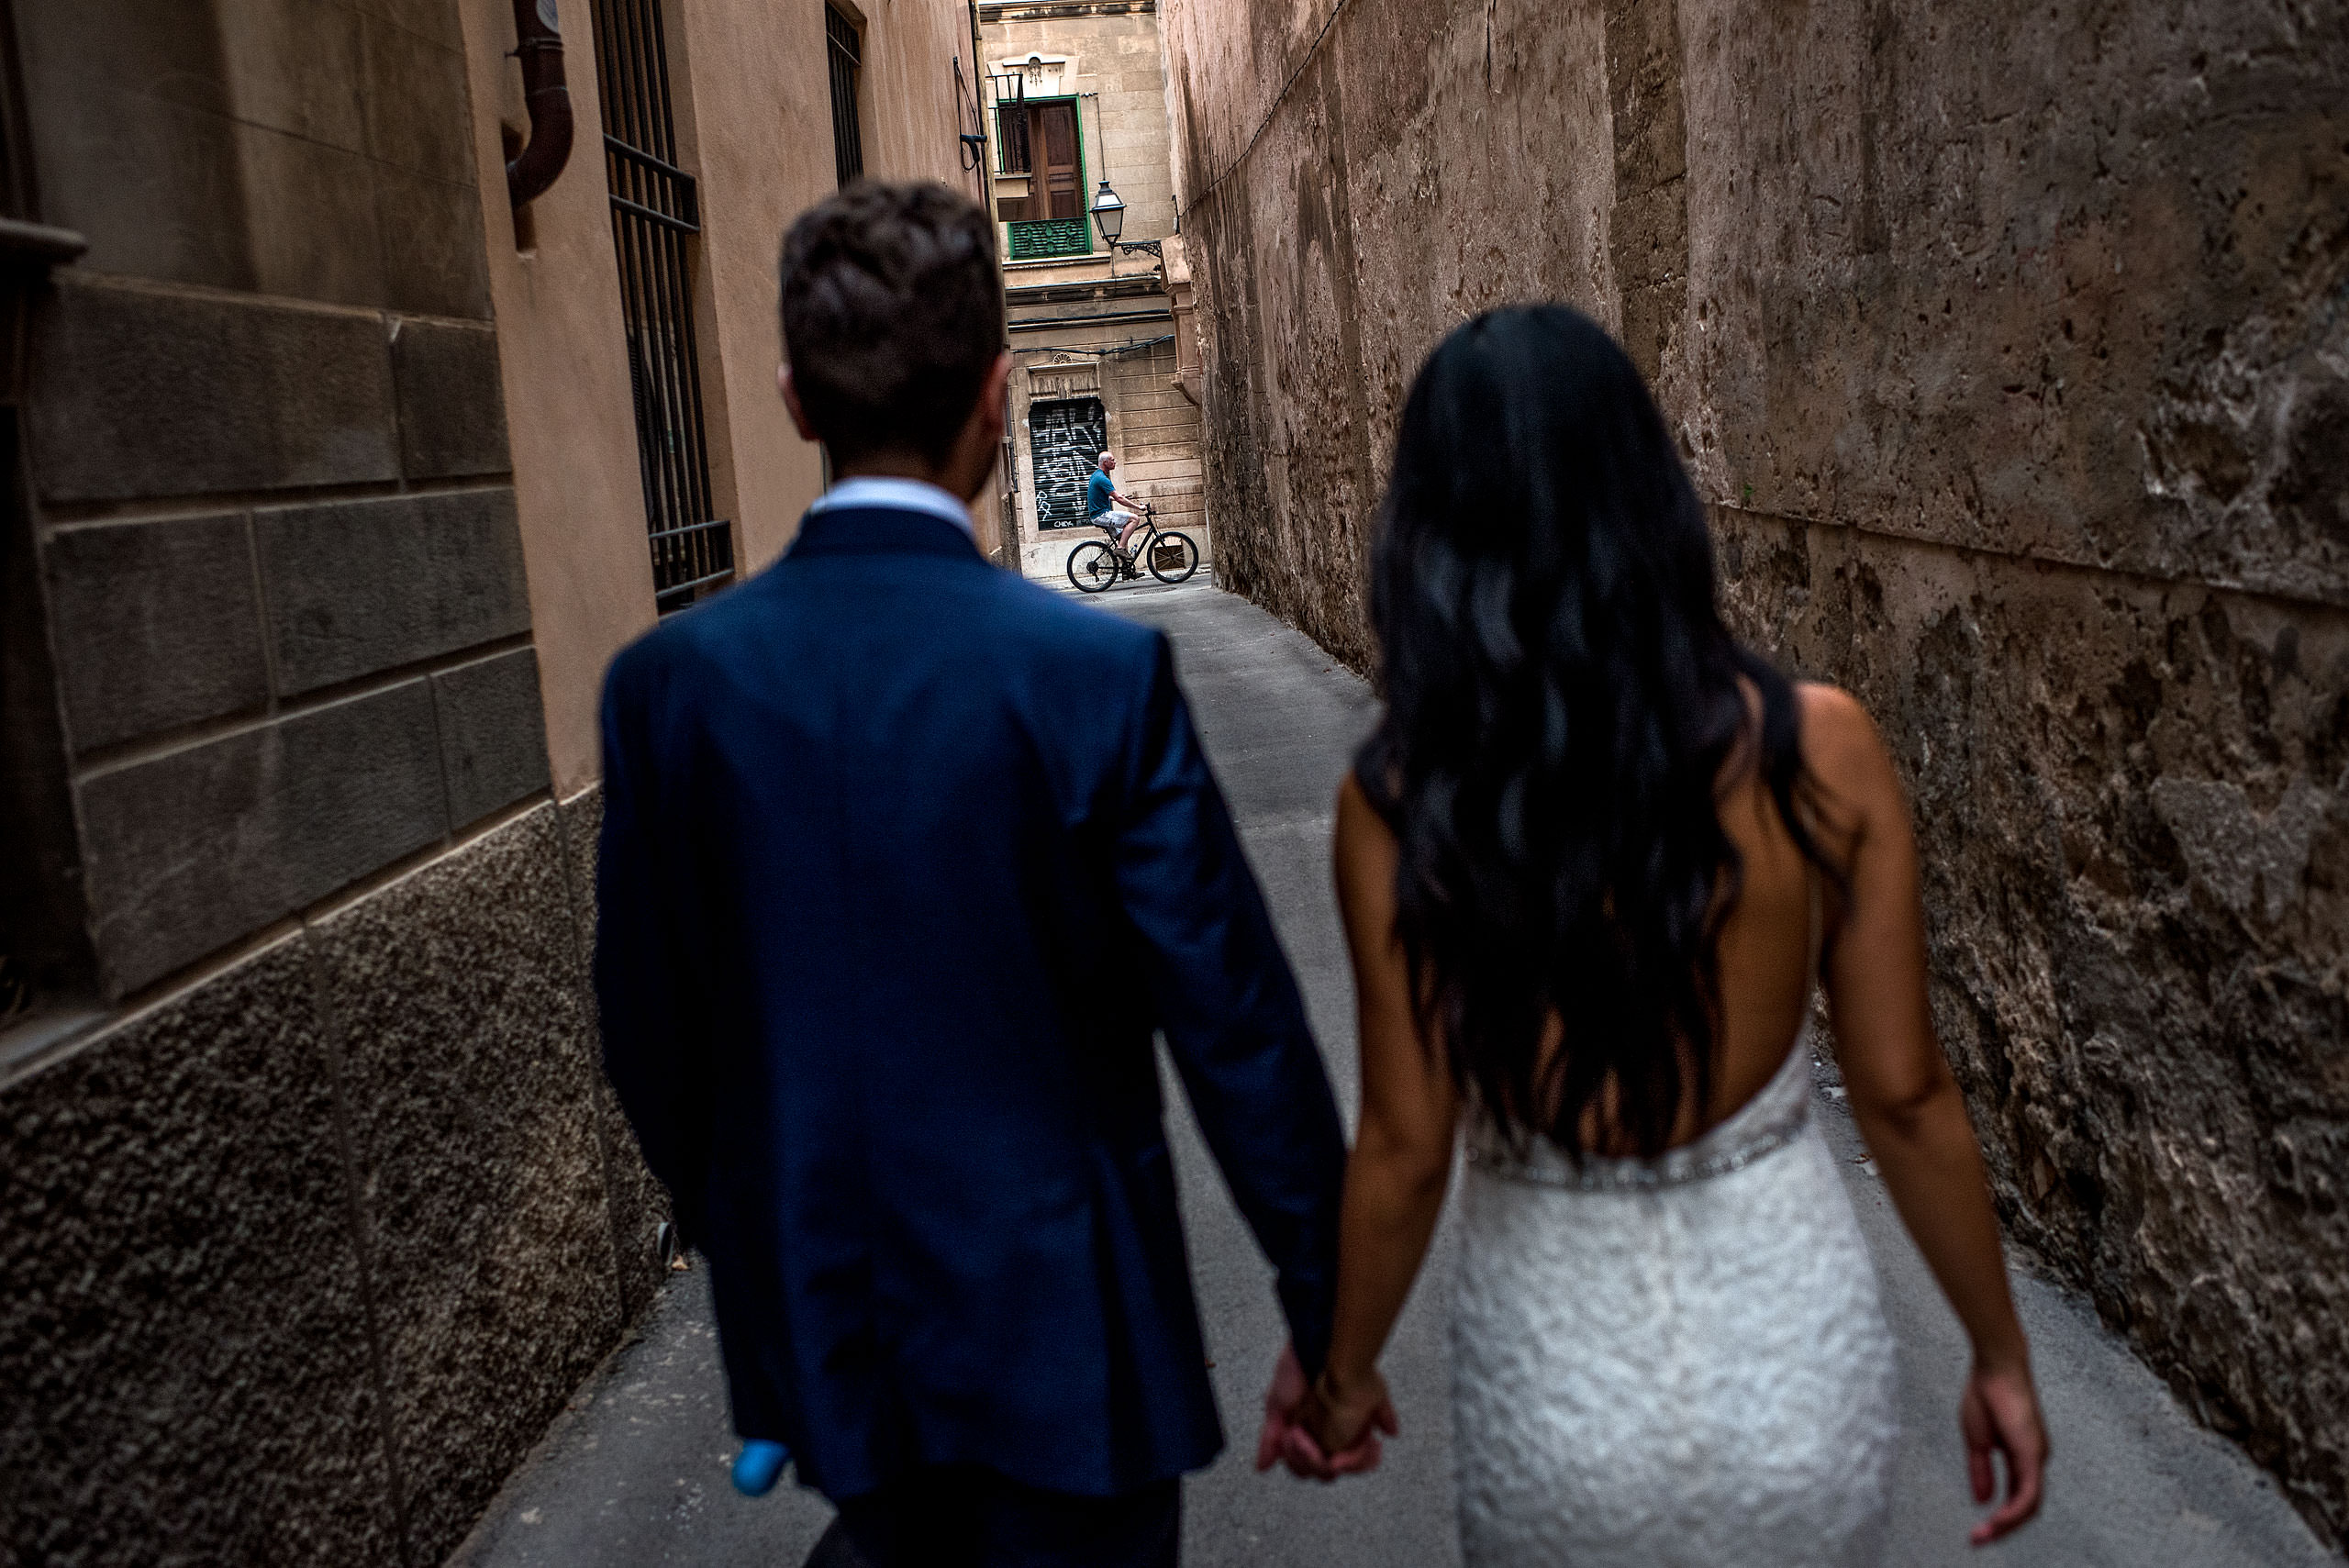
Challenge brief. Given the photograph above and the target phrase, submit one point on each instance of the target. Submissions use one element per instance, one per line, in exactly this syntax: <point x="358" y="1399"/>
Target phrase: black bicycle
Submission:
<point x="1170" y="557"/>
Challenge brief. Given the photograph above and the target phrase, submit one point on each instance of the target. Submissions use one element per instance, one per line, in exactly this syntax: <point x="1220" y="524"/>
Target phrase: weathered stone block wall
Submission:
<point x="1424" y="162"/>
<point x="265" y="441"/>
<point x="299" y="1261"/>
<point x="314" y="1207"/>
<point x="2005" y="343"/>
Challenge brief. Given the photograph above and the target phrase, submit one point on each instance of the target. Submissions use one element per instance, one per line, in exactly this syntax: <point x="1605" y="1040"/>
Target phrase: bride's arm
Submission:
<point x="1402" y="1154"/>
<point x="1908" y="1105"/>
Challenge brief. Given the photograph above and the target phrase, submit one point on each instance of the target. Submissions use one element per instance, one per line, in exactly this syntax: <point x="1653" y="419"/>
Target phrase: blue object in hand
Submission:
<point x="758" y="1466"/>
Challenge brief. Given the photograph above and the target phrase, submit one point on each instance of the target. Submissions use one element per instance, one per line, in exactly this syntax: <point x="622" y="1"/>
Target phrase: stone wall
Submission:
<point x="267" y="453"/>
<point x="313" y="1209"/>
<point x="2005" y="344"/>
<point x="301" y="1260"/>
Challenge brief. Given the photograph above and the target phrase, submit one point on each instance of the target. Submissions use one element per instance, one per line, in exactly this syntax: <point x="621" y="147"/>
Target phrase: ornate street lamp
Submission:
<point x="1110" y="213"/>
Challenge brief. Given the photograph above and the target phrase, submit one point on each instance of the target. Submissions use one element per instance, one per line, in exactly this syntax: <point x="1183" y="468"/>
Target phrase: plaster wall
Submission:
<point x="751" y="98"/>
<point x="754" y="114"/>
<point x="2004" y="343"/>
<point x="562" y="359"/>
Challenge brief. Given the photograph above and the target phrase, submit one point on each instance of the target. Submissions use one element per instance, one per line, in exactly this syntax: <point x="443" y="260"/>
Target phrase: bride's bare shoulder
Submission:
<point x="1842" y="748"/>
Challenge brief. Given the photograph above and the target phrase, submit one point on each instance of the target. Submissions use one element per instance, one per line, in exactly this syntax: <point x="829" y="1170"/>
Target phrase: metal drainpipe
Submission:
<point x="539" y="46"/>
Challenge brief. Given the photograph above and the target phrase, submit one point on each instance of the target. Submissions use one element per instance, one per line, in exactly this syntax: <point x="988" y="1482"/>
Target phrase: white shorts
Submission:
<point x="1115" y="518"/>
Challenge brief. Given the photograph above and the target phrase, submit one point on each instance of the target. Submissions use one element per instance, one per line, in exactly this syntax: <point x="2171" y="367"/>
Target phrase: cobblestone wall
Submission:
<point x="2007" y="345"/>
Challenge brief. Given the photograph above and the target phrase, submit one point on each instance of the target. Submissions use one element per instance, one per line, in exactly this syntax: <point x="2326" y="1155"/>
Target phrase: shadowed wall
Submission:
<point x="314" y="1206"/>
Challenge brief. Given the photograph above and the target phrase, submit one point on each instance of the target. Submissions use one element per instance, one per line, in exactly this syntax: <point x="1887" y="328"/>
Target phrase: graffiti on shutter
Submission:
<point x="1064" y="438"/>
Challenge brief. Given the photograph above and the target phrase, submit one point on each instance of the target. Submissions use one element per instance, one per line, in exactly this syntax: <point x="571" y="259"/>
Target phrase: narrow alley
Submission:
<point x="636" y="1473"/>
<point x="382" y="375"/>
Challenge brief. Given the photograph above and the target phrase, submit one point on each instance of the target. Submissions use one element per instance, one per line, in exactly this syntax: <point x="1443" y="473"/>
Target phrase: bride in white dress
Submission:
<point x="1591" y="863"/>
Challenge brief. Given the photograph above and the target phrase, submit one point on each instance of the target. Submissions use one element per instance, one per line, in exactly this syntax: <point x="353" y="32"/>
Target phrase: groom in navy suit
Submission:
<point x="904" y="861"/>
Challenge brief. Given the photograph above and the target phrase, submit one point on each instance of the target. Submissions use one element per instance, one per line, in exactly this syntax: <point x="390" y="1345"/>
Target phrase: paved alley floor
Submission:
<point x="636" y="1473"/>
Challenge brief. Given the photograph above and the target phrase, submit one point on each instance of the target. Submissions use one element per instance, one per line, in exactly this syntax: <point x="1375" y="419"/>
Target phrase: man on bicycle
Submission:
<point x="1104" y="504"/>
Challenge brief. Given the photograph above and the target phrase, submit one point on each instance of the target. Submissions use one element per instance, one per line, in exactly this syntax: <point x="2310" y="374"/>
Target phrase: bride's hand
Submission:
<point x="1337" y="1428"/>
<point x="1999" y="1412"/>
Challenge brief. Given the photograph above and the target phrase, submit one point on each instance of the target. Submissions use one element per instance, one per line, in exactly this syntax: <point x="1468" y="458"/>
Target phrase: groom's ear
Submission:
<point x="783" y="384"/>
<point x="977" y="445"/>
<point x="992" y="408"/>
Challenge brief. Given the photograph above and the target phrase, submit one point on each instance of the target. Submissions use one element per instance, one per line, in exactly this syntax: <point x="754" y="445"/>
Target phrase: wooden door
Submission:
<point x="1040" y="140"/>
<point x="1053" y="135"/>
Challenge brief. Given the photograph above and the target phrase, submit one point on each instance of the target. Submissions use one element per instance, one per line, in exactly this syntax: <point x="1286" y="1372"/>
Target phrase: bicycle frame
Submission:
<point x="1142" y="541"/>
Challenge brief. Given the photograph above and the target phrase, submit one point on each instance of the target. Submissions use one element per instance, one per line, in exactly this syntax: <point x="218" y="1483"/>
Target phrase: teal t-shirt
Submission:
<point x="1098" y="491"/>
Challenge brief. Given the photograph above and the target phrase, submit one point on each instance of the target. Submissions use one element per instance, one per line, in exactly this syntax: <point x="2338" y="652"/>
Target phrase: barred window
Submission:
<point x="846" y="51"/>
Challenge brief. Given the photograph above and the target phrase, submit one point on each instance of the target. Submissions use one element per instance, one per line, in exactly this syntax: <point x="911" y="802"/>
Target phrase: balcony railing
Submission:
<point x="1038" y="238"/>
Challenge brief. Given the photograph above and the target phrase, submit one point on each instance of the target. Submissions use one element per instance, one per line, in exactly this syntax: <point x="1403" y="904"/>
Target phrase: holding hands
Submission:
<point x="1324" y="1430"/>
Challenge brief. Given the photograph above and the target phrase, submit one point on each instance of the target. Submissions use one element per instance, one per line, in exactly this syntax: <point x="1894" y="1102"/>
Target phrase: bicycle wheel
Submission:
<point x="1172" y="557"/>
<point x="1092" y="566"/>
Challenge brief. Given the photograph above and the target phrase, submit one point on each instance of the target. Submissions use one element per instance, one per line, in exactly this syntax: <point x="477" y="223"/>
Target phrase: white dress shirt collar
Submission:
<point x="897" y="494"/>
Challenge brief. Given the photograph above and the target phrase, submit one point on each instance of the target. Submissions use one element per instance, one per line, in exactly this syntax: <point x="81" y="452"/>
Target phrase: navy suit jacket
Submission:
<point x="904" y="860"/>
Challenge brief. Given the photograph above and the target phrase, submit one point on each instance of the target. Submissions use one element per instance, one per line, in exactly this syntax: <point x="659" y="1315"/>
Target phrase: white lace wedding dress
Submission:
<point x="1672" y="1364"/>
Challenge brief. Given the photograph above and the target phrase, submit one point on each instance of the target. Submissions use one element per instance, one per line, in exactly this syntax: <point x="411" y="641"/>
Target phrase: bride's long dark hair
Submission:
<point x="1563" y="702"/>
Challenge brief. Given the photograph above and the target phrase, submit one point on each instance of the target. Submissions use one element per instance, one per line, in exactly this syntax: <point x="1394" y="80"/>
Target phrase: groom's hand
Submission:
<point x="1336" y="1430"/>
<point x="1308" y="1461"/>
<point x="1285" y="1440"/>
<point x="1281" y="1401"/>
<point x="1295" y="1414"/>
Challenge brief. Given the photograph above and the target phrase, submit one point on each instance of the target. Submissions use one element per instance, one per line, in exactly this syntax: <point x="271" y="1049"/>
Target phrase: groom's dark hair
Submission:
<point x="892" y="313"/>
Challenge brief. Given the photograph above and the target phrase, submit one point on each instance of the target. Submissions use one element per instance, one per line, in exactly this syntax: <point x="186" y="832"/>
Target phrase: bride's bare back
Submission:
<point x="1784" y="915"/>
<point x="1870" y="936"/>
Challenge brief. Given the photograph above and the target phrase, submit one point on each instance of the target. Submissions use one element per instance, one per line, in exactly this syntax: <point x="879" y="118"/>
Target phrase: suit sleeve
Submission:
<point x="655" y="1041"/>
<point x="1229" y="1008"/>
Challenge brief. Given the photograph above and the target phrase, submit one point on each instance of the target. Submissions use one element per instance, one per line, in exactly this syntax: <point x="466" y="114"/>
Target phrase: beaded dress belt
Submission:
<point x="1546" y="1166"/>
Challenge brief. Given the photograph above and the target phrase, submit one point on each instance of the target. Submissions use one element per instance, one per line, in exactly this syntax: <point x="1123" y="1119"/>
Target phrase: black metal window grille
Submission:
<point x="848" y="141"/>
<point x="656" y="212"/>
<point x="1012" y="122"/>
